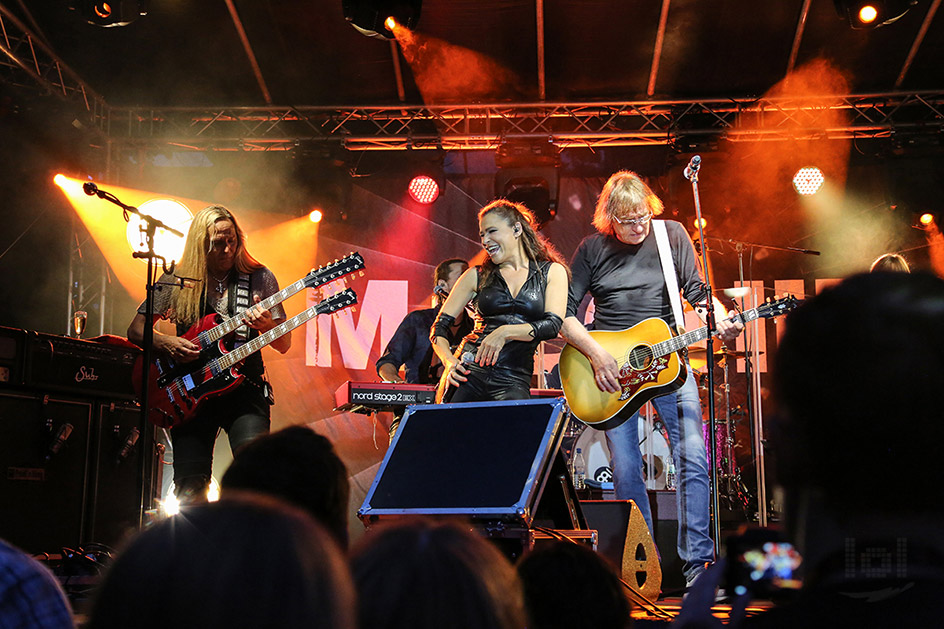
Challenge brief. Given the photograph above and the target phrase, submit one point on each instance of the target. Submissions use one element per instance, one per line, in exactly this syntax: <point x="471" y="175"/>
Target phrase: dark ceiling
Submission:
<point x="189" y="52"/>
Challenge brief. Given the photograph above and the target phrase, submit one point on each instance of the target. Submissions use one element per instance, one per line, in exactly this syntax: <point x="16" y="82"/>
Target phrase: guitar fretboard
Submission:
<point x="676" y="343"/>
<point x="336" y="302"/>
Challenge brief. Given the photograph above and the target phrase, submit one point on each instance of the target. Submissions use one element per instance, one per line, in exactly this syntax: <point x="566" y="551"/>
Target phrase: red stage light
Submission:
<point x="424" y="189"/>
<point x="808" y="180"/>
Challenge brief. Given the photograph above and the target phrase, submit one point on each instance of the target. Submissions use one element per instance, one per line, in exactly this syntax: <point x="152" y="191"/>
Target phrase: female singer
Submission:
<point x="520" y="298"/>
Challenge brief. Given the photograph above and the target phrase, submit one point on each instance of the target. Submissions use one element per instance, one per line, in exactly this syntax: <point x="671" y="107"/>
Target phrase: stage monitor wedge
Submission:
<point x="484" y="460"/>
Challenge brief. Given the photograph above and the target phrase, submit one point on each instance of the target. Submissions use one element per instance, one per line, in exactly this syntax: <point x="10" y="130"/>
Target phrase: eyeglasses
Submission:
<point x="634" y="222"/>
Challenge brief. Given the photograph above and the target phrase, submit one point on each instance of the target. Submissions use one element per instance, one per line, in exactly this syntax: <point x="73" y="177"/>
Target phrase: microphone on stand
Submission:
<point x="90" y="188"/>
<point x="692" y="169"/>
<point x="440" y="291"/>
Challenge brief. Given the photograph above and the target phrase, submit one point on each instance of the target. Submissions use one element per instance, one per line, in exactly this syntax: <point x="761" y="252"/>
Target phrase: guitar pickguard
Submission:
<point x="631" y="380"/>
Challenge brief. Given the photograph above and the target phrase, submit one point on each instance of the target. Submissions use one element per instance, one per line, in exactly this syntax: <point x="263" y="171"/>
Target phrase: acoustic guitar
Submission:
<point x="649" y="356"/>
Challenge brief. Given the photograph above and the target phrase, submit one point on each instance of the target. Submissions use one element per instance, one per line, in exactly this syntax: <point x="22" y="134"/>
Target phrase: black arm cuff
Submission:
<point x="441" y="326"/>
<point x="547" y="327"/>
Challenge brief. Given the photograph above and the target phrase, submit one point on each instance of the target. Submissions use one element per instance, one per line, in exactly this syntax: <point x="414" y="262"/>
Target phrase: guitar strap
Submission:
<point x="241" y="304"/>
<point x="668" y="271"/>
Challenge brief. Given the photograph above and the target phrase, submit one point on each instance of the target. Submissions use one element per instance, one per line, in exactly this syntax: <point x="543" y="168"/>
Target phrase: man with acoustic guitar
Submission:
<point x="622" y="269"/>
<point x="227" y="281"/>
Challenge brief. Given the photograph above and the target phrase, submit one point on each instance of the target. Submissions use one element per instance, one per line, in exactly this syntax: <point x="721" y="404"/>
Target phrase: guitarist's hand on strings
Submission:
<point x="605" y="372"/>
<point x="726" y="329"/>
<point x="258" y="318"/>
<point x="177" y="347"/>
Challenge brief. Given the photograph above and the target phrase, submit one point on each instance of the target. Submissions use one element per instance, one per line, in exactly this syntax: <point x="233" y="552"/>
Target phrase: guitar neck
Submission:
<point x="240" y="353"/>
<point x="215" y="334"/>
<point x="681" y="341"/>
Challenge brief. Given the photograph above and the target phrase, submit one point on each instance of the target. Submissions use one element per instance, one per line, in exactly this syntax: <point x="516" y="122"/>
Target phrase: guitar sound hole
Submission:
<point x="640" y="357"/>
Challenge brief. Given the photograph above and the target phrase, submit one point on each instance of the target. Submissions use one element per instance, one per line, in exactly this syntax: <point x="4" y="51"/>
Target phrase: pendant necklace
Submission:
<point x="220" y="284"/>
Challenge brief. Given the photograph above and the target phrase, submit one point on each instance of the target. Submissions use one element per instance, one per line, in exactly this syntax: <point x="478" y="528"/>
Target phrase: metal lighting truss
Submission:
<point x="28" y="64"/>
<point x="486" y="126"/>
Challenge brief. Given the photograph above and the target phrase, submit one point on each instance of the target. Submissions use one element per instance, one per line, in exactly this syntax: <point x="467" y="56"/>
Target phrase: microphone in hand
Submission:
<point x="90" y="188"/>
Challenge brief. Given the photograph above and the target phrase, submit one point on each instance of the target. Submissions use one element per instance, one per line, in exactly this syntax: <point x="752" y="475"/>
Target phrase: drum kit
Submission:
<point x="732" y="447"/>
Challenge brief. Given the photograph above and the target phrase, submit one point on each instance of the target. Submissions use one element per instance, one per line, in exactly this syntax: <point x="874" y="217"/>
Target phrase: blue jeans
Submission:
<point x="680" y="411"/>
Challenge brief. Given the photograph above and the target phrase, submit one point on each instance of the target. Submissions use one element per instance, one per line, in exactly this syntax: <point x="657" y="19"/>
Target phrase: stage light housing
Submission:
<point x="808" y="180"/>
<point x="867" y="14"/>
<point x="111" y="13"/>
<point x="529" y="174"/>
<point x="423" y="189"/>
<point x="369" y="17"/>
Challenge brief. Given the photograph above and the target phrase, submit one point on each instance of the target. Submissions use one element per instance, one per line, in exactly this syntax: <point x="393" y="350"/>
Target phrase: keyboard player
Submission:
<point x="409" y="347"/>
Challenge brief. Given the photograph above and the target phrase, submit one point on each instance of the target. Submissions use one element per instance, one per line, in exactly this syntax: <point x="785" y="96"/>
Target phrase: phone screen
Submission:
<point x="761" y="563"/>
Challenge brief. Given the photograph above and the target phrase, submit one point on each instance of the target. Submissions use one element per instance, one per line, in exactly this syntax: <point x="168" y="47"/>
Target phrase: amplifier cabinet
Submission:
<point x="114" y="460"/>
<point x="12" y="343"/>
<point x="86" y="368"/>
<point x="44" y="445"/>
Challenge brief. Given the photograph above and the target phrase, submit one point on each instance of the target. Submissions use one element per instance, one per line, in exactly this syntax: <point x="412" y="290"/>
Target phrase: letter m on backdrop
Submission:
<point x="380" y="309"/>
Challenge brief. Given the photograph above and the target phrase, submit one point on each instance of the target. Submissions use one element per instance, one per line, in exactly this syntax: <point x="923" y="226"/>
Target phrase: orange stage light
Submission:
<point x="390" y="23"/>
<point x="926" y="219"/>
<point x="315" y="216"/>
<point x="867" y="14"/>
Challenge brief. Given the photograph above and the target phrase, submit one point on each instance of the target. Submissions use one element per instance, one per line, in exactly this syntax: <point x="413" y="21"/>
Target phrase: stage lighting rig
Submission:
<point x="867" y="14"/>
<point x="111" y="12"/>
<point x="369" y="16"/>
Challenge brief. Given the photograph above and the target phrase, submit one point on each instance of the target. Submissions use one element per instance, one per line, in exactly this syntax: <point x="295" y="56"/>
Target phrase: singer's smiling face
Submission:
<point x="633" y="228"/>
<point x="498" y="237"/>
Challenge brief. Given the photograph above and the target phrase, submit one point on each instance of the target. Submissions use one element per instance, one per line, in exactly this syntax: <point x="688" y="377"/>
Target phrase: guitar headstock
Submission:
<point x="778" y="307"/>
<point x="335" y="271"/>
<point x="339" y="301"/>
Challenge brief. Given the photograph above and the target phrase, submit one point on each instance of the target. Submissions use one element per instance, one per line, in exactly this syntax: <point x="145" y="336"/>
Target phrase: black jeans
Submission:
<point x="242" y="413"/>
<point x="487" y="384"/>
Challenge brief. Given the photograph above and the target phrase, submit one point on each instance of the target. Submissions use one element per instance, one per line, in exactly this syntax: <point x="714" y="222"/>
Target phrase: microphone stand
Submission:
<point x="691" y="173"/>
<point x="754" y="411"/>
<point x="150" y="227"/>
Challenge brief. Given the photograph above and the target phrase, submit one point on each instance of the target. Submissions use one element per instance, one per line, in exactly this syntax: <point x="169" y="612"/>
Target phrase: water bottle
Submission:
<point x="579" y="472"/>
<point x="670" y="476"/>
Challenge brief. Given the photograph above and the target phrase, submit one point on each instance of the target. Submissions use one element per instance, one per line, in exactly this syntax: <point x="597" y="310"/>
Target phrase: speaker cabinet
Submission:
<point x="612" y="518"/>
<point x="484" y="460"/>
<point x="113" y="506"/>
<point x="44" y="445"/>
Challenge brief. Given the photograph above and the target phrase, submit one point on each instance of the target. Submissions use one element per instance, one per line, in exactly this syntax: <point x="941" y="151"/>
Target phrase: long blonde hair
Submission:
<point x="623" y="193"/>
<point x="193" y="263"/>
<point x="536" y="247"/>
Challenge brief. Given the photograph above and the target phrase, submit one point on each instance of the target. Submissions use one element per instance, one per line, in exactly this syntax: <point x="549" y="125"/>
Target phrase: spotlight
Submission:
<point x="862" y="14"/>
<point x="808" y="180"/>
<point x="111" y="12"/>
<point x="372" y="17"/>
<point x="169" y="212"/>
<point x="423" y="189"/>
<point x="315" y="216"/>
<point x="925" y="220"/>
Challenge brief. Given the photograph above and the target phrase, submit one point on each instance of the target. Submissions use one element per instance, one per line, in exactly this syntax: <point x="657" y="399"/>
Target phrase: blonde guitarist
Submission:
<point x="621" y="268"/>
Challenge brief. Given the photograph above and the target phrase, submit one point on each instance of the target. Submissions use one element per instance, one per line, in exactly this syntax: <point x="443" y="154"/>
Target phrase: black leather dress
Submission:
<point x="510" y="377"/>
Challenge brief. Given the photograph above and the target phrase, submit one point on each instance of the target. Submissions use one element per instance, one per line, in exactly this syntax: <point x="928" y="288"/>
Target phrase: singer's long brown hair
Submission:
<point x="536" y="247"/>
<point x="187" y="307"/>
